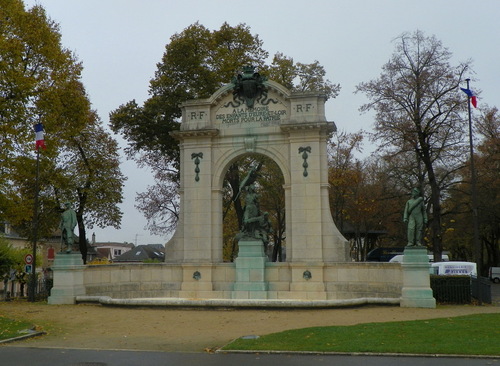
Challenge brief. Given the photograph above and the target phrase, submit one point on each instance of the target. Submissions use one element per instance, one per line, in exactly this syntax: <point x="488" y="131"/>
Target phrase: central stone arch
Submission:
<point x="268" y="119"/>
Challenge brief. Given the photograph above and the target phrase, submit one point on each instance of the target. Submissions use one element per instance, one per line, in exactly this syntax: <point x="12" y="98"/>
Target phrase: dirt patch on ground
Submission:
<point x="192" y="330"/>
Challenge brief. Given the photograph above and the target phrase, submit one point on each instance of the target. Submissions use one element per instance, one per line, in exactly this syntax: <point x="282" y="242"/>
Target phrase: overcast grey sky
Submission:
<point x="121" y="41"/>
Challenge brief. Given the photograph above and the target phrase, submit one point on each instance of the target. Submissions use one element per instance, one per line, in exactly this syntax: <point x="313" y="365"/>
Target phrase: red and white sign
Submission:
<point x="28" y="259"/>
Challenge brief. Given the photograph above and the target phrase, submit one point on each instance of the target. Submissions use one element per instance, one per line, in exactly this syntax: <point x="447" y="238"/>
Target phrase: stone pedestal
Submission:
<point x="416" y="292"/>
<point x="68" y="278"/>
<point x="250" y="271"/>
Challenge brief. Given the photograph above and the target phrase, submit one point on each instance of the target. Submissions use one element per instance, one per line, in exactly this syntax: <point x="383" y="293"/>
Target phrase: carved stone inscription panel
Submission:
<point x="258" y="116"/>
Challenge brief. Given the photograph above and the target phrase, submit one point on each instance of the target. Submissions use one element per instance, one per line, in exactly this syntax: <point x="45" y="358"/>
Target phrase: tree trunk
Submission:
<point x="435" y="224"/>
<point x="82" y="242"/>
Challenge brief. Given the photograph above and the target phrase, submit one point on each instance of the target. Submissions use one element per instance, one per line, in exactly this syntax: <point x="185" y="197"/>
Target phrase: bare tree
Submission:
<point x="419" y="112"/>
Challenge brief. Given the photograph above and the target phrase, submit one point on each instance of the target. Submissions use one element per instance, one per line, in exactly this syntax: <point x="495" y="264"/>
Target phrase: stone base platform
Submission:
<point x="296" y="283"/>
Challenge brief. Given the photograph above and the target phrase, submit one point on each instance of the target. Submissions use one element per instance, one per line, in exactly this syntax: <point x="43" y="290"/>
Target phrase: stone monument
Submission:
<point x="416" y="292"/>
<point x="68" y="264"/>
<point x="415" y="216"/>
<point x="250" y="264"/>
<point x="255" y="115"/>
<point x="67" y="226"/>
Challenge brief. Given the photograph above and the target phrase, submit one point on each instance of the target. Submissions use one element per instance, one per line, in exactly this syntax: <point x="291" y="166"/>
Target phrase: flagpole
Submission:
<point x="475" y="219"/>
<point x="32" y="283"/>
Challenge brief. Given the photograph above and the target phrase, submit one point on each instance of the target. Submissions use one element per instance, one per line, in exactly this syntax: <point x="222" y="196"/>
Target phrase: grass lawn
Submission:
<point x="11" y="328"/>
<point x="467" y="335"/>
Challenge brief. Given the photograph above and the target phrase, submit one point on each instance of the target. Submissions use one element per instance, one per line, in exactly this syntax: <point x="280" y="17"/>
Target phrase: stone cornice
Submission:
<point x="325" y="126"/>
<point x="180" y="135"/>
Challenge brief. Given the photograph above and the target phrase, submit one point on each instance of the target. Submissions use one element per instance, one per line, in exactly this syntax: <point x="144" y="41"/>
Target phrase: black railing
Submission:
<point x="15" y="290"/>
<point x="43" y="289"/>
<point x="481" y="289"/>
<point x="460" y="289"/>
<point x="451" y="289"/>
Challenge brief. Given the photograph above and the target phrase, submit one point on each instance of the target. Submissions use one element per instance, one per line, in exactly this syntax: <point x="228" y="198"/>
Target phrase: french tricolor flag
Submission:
<point x="472" y="95"/>
<point x="39" y="139"/>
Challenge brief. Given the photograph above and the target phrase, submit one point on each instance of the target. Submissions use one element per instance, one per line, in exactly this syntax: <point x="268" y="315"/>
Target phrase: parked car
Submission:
<point x="383" y="254"/>
<point x="495" y="274"/>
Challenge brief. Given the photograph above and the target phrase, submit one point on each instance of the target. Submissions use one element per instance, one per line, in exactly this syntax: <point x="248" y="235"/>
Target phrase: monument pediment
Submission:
<point x="271" y="109"/>
<point x="224" y="110"/>
<point x="250" y="104"/>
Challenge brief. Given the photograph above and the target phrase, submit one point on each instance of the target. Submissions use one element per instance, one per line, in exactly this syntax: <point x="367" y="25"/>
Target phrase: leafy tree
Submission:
<point x="7" y="260"/>
<point x="195" y="64"/>
<point x="362" y="201"/>
<point x="12" y="259"/>
<point x="40" y="82"/>
<point x="7" y="256"/>
<point x="342" y="162"/>
<point x="300" y="77"/>
<point x="89" y="174"/>
<point x="37" y="80"/>
<point x="419" y="116"/>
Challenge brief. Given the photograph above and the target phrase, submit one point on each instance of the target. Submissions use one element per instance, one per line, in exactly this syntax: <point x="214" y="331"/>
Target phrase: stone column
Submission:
<point x="417" y="292"/>
<point x="68" y="279"/>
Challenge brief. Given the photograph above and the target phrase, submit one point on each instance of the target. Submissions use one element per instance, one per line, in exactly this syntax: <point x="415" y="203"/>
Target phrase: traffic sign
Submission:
<point x="28" y="268"/>
<point x="28" y="259"/>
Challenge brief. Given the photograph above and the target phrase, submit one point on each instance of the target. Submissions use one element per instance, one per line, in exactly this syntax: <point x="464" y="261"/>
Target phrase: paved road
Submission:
<point x="25" y="356"/>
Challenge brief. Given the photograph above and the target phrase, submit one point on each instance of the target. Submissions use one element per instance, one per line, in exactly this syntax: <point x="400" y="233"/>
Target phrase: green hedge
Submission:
<point x="451" y="289"/>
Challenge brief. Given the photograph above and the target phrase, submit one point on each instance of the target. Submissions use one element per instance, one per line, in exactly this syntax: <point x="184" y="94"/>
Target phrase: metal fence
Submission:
<point x="460" y="289"/>
<point x="481" y="289"/>
<point x="451" y="289"/>
<point x="16" y="290"/>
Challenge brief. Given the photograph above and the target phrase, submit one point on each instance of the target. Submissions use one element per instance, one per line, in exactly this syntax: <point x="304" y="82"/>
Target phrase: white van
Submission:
<point x="495" y="274"/>
<point x="399" y="258"/>
<point x="454" y="268"/>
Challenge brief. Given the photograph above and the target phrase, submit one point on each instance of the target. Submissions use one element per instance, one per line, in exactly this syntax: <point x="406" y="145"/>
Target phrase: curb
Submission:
<point x="30" y="334"/>
<point x="434" y="355"/>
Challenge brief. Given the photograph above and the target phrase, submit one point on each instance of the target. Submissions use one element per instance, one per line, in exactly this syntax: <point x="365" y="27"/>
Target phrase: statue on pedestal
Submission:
<point x="255" y="225"/>
<point x="67" y="226"/>
<point x="416" y="217"/>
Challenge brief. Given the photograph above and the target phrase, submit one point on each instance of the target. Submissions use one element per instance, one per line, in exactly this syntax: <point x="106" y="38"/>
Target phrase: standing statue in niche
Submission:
<point x="68" y="224"/>
<point x="416" y="217"/>
<point x="255" y="225"/>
